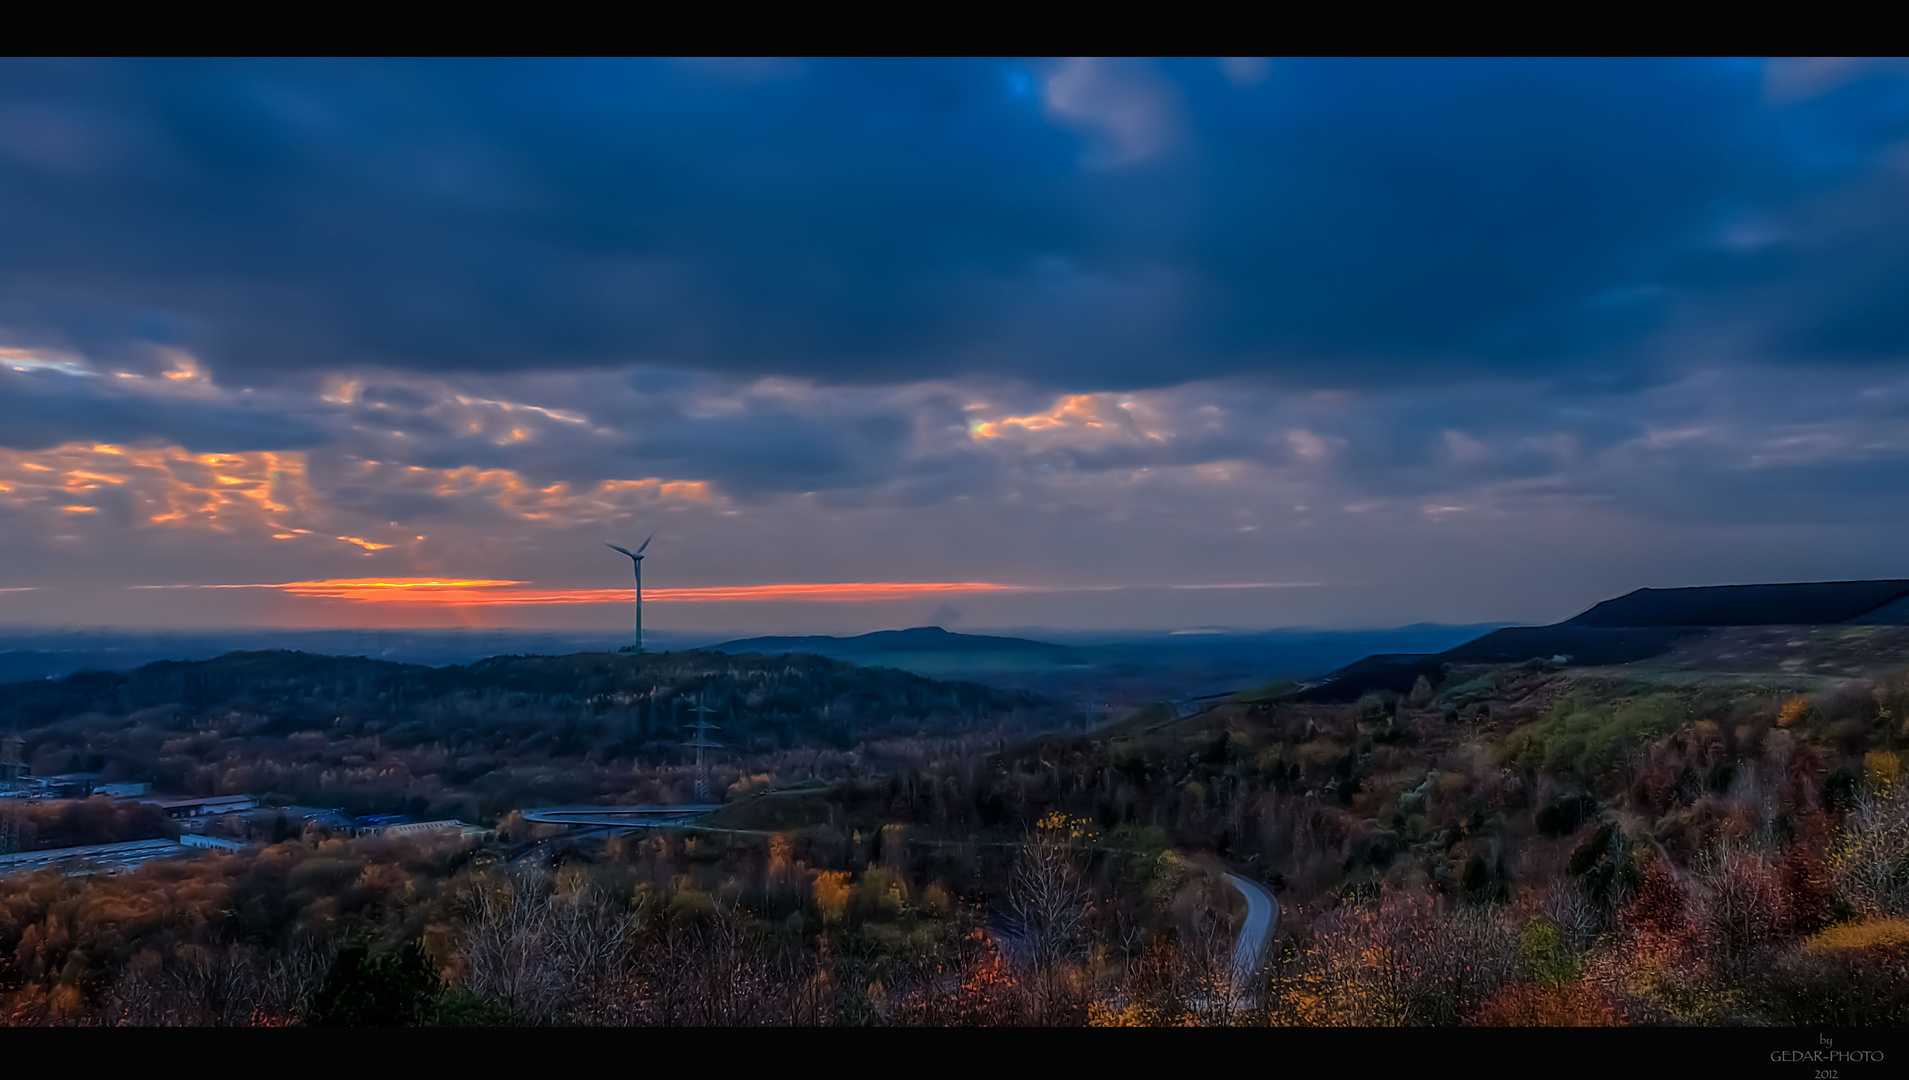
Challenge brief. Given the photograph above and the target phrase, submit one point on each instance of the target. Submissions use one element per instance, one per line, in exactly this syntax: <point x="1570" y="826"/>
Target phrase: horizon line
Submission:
<point x="495" y="592"/>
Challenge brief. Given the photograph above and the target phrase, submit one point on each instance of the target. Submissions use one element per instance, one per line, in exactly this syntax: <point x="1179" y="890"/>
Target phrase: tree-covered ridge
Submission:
<point x="475" y="739"/>
<point x="287" y="690"/>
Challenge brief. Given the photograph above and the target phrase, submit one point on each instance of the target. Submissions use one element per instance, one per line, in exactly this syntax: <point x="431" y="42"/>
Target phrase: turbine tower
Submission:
<point x="636" y="560"/>
<point x="702" y="727"/>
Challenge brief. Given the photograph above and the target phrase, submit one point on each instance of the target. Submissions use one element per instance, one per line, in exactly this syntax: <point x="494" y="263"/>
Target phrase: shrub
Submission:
<point x="1846" y="976"/>
<point x="1570" y="1005"/>
<point x="1584" y="738"/>
<point x="1722" y="775"/>
<point x="1880" y="768"/>
<point x="1839" y="789"/>
<point x="367" y="989"/>
<point x="1796" y="710"/>
<point x="460" y="1008"/>
<point x="1484" y="882"/>
<point x="1563" y="816"/>
<point x="1592" y="850"/>
<point x="1374" y="708"/>
<point x="1377" y="850"/>
<point x="1869" y="861"/>
<point x="1544" y="956"/>
<point x="1874" y="934"/>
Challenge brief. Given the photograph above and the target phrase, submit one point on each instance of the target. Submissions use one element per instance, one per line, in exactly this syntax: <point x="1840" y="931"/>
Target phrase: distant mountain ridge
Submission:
<point x="1117" y="666"/>
<point x="1794" y="604"/>
<point x="916" y="639"/>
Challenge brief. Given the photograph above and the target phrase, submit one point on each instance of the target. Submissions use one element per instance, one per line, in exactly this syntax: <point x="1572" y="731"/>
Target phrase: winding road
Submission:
<point x="1262" y="914"/>
<point x="589" y="822"/>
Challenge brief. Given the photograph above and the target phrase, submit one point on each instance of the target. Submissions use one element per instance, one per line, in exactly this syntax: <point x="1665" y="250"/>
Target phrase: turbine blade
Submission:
<point x="624" y="550"/>
<point x="646" y="543"/>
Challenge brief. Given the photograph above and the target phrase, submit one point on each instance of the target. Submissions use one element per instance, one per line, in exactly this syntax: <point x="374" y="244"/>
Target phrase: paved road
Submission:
<point x="626" y="816"/>
<point x="1262" y="914"/>
<point x="592" y="822"/>
<point x="90" y="858"/>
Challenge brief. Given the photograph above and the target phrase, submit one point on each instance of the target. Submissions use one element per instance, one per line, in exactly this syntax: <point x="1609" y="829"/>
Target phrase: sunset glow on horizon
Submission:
<point x="438" y="592"/>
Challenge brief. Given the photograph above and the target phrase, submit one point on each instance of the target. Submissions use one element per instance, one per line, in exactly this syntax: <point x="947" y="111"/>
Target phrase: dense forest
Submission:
<point x="1513" y="845"/>
<point x="477" y="740"/>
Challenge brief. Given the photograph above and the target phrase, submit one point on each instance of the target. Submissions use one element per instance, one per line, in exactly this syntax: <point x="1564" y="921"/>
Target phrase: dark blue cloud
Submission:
<point x="879" y="221"/>
<point x="42" y="409"/>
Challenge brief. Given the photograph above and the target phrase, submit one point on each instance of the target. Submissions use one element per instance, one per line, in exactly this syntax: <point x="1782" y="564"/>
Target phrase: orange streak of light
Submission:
<point x="436" y="592"/>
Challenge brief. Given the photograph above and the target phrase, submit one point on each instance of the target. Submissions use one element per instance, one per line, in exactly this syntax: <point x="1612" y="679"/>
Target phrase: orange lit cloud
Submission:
<point x="1075" y="417"/>
<point x="438" y="592"/>
<point x="1071" y="410"/>
<point x="166" y="487"/>
<point x="272" y="495"/>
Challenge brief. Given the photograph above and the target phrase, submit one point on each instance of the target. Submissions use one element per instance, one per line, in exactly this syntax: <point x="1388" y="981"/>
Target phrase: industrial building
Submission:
<point x="199" y="806"/>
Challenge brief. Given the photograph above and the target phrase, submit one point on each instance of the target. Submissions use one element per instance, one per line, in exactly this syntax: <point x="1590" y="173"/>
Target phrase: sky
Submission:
<point x="1082" y="344"/>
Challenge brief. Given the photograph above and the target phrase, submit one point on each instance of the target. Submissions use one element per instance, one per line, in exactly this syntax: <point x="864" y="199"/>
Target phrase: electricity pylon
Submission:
<point x="10" y="769"/>
<point x="702" y="727"/>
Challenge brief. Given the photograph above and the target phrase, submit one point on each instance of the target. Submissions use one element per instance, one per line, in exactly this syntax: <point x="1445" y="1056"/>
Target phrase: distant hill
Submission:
<point x="916" y="640"/>
<point x="1636" y="626"/>
<point x="1811" y="603"/>
<point x="40" y="653"/>
<point x="1115" y="667"/>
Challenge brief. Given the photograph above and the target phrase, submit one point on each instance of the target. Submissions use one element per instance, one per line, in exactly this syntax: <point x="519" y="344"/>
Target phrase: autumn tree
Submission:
<point x="1869" y="862"/>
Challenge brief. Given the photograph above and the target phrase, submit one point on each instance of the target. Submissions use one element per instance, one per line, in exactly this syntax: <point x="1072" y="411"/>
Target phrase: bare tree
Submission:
<point x="586" y="937"/>
<point x="713" y="971"/>
<point x="1049" y="899"/>
<point x="1573" y="913"/>
<point x="1740" y="903"/>
<point x="297" y="973"/>
<point x="1396" y="961"/>
<point x="1870" y="861"/>
<point x="224" y="984"/>
<point x="502" y="950"/>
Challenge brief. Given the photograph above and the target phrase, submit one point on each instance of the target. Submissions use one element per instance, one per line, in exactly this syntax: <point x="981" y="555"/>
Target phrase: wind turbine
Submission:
<point x="636" y="560"/>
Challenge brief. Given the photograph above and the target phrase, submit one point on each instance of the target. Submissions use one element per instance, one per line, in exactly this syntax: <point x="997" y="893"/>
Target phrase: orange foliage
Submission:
<point x="1574" y="1004"/>
<point x="1795" y="711"/>
<point x="832" y="893"/>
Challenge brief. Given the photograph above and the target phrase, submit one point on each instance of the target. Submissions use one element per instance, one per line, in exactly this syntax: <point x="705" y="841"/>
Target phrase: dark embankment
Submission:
<point x="1636" y="626"/>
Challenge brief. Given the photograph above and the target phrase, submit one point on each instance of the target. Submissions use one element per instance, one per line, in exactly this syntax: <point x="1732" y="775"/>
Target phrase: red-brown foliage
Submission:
<point x="1526" y="1004"/>
<point x="1657" y="921"/>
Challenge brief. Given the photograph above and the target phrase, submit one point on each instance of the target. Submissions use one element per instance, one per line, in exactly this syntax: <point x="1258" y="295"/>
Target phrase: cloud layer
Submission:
<point x="1455" y="340"/>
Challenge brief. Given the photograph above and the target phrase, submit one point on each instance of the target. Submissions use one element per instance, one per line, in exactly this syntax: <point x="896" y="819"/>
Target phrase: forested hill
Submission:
<point x="608" y="701"/>
<point x="918" y="639"/>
